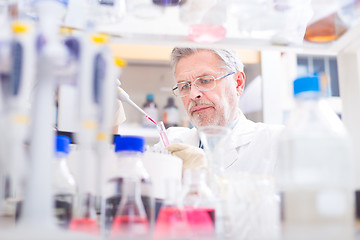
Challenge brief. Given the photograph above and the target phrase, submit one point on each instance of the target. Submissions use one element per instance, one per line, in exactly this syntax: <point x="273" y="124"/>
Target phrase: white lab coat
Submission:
<point x="251" y="149"/>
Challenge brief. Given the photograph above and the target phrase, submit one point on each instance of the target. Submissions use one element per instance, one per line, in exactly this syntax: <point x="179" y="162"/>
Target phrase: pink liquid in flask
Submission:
<point x="85" y="225"/>
<point x="172" y="223"/>
<point x="201" y="220"/>
<point x="130" y="226"/>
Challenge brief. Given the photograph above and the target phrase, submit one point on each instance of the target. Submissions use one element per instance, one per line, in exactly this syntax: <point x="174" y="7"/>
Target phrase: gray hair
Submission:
<point x="229" y="58"/>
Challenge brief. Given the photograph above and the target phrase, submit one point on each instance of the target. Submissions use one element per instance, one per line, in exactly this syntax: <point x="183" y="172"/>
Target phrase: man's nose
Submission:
<point x="194" y="92"/>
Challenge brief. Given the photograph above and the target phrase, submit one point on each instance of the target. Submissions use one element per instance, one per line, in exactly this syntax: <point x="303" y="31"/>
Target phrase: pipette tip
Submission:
<point x="151" y="119"/>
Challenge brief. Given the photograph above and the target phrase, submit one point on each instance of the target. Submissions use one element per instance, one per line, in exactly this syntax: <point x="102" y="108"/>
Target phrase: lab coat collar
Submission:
<point x="243" y="132"/>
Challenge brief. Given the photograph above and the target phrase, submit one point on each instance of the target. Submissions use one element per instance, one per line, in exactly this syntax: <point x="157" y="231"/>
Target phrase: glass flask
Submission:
<point x="130" y="221"/>
<point x="172" y="222"/>
<point x="64" y="186"/>
<point x="129" y="151"/>
<point x="199" y="203"/>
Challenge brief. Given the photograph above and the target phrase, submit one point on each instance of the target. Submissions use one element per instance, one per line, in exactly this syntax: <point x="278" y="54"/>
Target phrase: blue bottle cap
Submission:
<point x="129" y="143"/>
<point x="62" y="144"/>
<point x="305" y="84"/>
<point x="149" y="96"/>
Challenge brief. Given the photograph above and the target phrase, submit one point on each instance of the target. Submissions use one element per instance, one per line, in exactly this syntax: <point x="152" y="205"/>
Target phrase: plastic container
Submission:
<point x="171" y="117"/>
<point x="64" y="186"/>
<point x="152" y="110"/>
<point x="129" y="151"/>
<point x="315" y="169"/>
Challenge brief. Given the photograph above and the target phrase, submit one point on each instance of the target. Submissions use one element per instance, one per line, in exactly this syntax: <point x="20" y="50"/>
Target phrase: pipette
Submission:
<point x="123" y="96"/>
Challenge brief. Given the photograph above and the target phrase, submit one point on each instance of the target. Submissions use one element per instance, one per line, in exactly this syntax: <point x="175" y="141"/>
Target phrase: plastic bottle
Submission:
<point x="64" y="186"/>
<point x="315" y="169"/>
<point x="151" y="109"/>
<point x="199" y="203"/>
<point x="129" y="151"/>
<point x="171" y="116"/>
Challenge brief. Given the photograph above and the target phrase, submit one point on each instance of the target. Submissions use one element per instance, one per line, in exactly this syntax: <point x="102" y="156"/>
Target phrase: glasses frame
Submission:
<point x="193" y="83"/>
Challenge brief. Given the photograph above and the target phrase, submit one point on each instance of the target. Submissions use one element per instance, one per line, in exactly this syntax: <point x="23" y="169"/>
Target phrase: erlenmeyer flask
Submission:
<point x="130" y="221"/>
<point x="172" y="222"/>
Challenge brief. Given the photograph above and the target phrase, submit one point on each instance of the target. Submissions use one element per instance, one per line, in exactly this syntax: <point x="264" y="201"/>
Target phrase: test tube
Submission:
<point x="162" y="131"/>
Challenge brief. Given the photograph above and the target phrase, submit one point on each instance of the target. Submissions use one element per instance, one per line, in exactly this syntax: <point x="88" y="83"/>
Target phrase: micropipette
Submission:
<point x="123" y="96"/>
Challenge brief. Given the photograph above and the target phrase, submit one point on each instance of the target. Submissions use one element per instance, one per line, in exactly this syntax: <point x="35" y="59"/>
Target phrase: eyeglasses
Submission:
<point x="205" y="83"/>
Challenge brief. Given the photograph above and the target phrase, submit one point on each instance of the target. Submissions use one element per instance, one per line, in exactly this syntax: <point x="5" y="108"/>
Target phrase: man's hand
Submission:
<point x="193" y="157"/>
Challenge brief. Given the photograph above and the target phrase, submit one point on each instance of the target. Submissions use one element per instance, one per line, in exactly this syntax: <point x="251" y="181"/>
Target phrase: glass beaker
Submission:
<point x="214" y="139"/>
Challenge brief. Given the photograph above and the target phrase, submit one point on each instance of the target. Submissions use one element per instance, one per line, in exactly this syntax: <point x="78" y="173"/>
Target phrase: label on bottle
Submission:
<point x="171" y="117"/>
<point x="112" y="203"/>
<point x="63" y="209"/>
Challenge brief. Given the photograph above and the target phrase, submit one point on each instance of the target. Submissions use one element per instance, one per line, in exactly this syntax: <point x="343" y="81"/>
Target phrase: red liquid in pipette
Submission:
<point x="164" y="139"/>
<point x="150" y="119"/>
<point x="85" y="225"/>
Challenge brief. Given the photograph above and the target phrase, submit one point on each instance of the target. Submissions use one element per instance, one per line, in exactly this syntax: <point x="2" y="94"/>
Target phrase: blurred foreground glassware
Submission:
<point x="130" y="153"/>
<point x="64" y="183"/>
<point x="172" y="222"/>
<point x="199" y="203"/>
<point x="130" y="221"/>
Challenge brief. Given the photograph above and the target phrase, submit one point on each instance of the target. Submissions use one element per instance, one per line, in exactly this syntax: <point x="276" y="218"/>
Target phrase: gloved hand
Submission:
<point x="119" y="116"/>
<point x="193" y="157"/>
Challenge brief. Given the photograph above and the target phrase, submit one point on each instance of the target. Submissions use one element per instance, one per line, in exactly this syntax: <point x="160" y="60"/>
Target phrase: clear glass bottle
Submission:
<point x="315" y="169"/>
<point x="171" y="117"/>
<point x="199" y="203"/>
<point x="130" y="221"/>
<point x="151" y="109"/>
<point x="64" y="187"/>
<point x="129" y="151"/>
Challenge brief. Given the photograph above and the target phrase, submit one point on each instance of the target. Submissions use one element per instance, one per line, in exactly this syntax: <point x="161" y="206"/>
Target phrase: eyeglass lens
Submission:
<point x="202" y="83"/>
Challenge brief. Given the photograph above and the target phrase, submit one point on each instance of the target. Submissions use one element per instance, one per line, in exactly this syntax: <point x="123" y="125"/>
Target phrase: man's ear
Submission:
<point x="240" y="82"/>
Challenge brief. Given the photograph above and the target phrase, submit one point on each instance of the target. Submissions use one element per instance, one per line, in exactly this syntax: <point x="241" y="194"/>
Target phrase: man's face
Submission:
<point x="217" y="106"/>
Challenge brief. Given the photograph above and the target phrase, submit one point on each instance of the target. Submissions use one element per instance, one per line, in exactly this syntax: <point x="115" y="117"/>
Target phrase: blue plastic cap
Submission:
<point x="129" y="143"/>
<point x="62" y="144"/>
<point x="305" y="84"/>
<point x="150" y="96"/>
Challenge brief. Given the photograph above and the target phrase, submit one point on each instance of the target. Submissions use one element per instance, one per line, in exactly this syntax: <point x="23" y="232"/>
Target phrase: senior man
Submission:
<point x="210" y="83"/>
